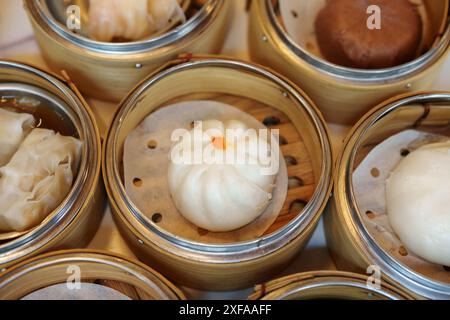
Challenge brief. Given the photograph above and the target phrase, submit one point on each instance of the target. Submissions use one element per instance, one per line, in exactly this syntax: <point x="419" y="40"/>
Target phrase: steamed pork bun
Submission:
<point x="131" y="20"/>
<point x="418" y="202"/>
<point x="219" y="195"/>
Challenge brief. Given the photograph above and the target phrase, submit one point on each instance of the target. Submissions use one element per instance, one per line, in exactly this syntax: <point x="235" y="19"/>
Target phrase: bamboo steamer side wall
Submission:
<point x="129" y="277"/>
<point x="111" y="77"/>
<point x="80" y="234"/>
<point x="217" y="277"/>
<point x="322" y="285"/>
<point x="340" y="101"/>
<point x="340" y="243"/>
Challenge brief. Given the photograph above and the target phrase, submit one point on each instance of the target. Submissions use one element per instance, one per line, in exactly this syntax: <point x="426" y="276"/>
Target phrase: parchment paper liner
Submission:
<point x="151" y="166"/>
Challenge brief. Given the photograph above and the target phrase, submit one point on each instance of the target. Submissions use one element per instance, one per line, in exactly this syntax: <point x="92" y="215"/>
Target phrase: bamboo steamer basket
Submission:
<point x="334" y="285"/>
<point x="108" y="71"/>
<point x="262" y="94"/>
<point x="130" y="278"/>
<point x="350" y="244"/>
<point x="344" y="94"/>
<point x="56" y="102"/>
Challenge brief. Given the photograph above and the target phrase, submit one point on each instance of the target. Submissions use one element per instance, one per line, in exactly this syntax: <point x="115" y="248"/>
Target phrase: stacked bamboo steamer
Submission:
<point x="108" y="71"/>
<point x="236" y="265"/>
<point x="353" y="246"/>
<point x="60" y="275"/>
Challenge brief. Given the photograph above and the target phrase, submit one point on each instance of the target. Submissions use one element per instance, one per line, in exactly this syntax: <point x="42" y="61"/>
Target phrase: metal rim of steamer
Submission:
<point x="41" y="12"/>
<point x="348" y="209"/>
<point x="376" y="76"/>
<point x="330" y="285"/>
<point x="55" y="224"/>
<point x="228" y="253"/>
<point x="153" y="282"/>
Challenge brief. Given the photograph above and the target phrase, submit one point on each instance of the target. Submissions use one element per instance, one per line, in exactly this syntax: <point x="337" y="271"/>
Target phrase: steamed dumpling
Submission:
<point x="130" y="19"/>
<point x="14" y="127"/>
<point x="161" y="11"/>
<point x="37" y="179"/>
<point x="418" y="202"/>
<point x="127" y="19"/>
<point x="215" y="194"/>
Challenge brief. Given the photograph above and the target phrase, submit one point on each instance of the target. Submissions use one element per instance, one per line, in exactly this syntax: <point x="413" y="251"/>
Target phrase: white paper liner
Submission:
<point x="370" y="196"/>
<point x="87" y="291"/>
<point x="151" y="167"/>
<point x="299" y="17"/>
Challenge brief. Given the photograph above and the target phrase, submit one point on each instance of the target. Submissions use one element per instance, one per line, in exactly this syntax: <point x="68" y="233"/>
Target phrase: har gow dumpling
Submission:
<point x="130" y="19"/>
<point x="418" y="202"/>
<point x="219" y="195"/>
<point x="14" y="127"/>
<point x="37" y="179"/>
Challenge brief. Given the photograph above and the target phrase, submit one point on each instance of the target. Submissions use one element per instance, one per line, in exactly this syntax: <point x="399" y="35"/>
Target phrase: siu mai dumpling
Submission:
<point x="211" y="191"/>
<point x="418" y="202"/>
<point x="127" y="19"/>
<point x="37" y="179"/>
<point x="14" y="127"/>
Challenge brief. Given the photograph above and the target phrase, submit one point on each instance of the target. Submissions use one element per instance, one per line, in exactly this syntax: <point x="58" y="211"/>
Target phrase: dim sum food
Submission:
<point x="418" y="202"/>
<point x="131" y="19"/>
<point x="109" y="19"/>
<point x="215" y="193"/>
<point x="14" y="127"/>
<point x="37" y="179"/>
<point x="345" y="37"/>
<point x="162" y="11"/>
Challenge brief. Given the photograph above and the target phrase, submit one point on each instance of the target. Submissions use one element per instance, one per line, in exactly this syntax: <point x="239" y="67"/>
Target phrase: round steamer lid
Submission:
<point x="84" y="275"/>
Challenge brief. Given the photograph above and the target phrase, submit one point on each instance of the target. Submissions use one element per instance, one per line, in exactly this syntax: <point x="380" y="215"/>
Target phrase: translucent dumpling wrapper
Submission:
<point x="37" y="179"/>
<point x="211" y="185"/>
<point x="87" y="291"/>
<point x="369" y="183"/>
<point x="14" y="127"/>
<point x="418" y="202"/>
<point x="131" y="19"/>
